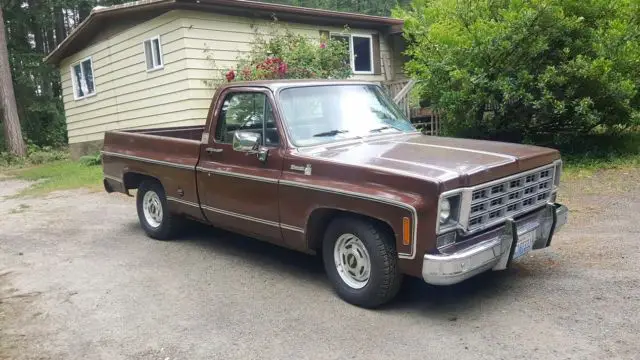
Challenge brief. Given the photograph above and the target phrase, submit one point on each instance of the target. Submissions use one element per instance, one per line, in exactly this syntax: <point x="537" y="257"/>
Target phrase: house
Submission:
<point x="143" y="64"/>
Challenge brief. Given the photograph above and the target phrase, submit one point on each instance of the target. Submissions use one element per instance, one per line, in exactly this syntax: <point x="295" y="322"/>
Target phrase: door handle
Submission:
<point x="213" y="150"/>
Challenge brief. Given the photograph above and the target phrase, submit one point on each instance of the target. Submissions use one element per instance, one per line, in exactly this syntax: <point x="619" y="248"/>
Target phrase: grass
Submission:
<point x="581" y="167"/>
<point x="61" y="175"/>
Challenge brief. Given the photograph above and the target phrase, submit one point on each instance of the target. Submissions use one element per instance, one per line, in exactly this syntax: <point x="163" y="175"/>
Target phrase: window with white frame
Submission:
<point x="360" y="52"/>
<point x="82" y="79"/>
<point x="153" y="53"/>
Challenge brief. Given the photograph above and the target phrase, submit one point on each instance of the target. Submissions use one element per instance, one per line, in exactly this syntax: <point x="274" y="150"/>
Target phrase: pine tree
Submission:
<point x="12" y="131"/>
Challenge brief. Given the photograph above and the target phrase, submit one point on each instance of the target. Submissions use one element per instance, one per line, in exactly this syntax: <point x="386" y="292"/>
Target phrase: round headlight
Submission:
<point x="445" y="211"/>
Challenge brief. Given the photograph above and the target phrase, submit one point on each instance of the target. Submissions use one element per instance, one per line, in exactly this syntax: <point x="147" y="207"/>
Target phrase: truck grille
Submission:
<point x="512" y="195"/>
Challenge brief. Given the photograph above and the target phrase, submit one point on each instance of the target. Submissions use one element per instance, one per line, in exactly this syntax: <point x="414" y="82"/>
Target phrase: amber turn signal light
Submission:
<point x="406" y="231"/>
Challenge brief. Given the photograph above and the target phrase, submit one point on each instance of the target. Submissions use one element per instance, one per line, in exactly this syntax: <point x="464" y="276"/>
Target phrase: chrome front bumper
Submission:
<point x="493" y="249"/>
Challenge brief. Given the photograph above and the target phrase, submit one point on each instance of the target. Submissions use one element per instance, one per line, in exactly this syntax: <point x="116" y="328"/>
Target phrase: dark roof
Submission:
<point x="276" y="85"/>
<point x="102" y="16"/>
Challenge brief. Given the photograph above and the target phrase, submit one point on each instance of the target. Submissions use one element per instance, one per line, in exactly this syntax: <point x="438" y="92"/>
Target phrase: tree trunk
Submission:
<point x="12" y="131"/>
<point x="61" y="29"/>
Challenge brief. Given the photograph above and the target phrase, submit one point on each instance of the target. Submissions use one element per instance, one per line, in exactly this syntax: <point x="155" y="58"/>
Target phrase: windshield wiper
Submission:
<point x="384" y="128"/>
<point x="331" y="133"/>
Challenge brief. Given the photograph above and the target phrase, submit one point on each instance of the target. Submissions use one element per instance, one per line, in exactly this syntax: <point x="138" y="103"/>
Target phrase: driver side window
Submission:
<point x="247" y="112"/>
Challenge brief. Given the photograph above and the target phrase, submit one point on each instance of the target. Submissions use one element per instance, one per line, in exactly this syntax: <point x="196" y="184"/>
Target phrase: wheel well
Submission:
<point x="320" y="219"/>
<point x="133" y="180"/>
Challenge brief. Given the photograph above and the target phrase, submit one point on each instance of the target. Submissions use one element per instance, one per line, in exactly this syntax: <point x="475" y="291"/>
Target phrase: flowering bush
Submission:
<point x="283" y="54"/>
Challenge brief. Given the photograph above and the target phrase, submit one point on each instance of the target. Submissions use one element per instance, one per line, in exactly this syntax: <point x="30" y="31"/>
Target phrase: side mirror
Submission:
<point x="250" y="143"/>
<point x="245" y="141"/>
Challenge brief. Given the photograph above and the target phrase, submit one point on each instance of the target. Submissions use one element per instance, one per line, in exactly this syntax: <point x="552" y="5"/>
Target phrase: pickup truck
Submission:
<point x="334" y="168"/>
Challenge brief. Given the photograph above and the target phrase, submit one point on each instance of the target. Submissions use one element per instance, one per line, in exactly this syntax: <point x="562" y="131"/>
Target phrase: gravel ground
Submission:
<point x="79" y="280"/>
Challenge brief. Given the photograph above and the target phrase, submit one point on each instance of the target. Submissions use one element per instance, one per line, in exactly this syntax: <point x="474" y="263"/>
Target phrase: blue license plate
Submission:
<point x="524" y="245"/>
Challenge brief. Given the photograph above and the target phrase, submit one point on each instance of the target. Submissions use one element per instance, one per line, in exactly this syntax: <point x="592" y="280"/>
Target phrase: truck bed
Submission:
<point x="170" y="155"/>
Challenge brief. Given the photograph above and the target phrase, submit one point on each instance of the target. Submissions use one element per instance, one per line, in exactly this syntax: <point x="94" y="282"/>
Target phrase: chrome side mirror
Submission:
<point x="250" y="142"/>
<point x="245" y="141"/>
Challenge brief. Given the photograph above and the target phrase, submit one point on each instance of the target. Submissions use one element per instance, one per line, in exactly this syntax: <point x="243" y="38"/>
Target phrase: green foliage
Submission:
<point x="36" y="155"/>
<point x="91" y="160"/>
<point x="35" y="28"/>
<point x="282" y="54"/>
<point x="543" y="71"/>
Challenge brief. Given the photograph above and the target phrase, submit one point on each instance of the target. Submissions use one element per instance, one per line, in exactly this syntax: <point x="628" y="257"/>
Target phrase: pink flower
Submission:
<point x="283" y="68"/>
<point x="230" y="76"/>
<point x="323" y="46"/>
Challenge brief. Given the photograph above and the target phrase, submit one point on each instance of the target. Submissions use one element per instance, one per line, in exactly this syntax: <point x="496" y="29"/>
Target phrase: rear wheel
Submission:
<point x="155" y="218"/>
<point x="361" y="261"/>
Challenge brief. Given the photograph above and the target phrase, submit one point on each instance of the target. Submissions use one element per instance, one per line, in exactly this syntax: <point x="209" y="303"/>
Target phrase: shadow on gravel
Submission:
<point x="437" y="302"/>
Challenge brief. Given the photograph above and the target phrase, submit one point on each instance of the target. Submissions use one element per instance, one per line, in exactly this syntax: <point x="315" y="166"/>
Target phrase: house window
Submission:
<point x="82" y="79"/>
<point x="360" y="52"/>
<point x="153" y="54"/>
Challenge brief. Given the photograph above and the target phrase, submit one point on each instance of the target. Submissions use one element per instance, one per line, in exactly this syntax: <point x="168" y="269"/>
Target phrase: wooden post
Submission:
<point x="12" y="131"/>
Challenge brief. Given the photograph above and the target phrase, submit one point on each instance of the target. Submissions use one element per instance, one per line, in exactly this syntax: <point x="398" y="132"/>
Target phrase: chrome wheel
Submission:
<point x="352" y="261"/>
<point x="152" y="208"/>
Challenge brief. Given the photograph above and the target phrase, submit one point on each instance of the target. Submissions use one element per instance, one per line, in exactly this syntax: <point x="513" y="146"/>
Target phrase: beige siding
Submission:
<point x="127" y="96"/>
<point x="196" y="47"/>
<point x="226" y="38"/>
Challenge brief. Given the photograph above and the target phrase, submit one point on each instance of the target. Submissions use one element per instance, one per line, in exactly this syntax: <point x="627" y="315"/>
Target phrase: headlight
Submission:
<point x="449" y="212"/>
<point x="445" y="211"/>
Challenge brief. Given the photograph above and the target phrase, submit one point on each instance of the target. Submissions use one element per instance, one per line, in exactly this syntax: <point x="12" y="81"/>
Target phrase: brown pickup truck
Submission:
<point x="333" y="167"/>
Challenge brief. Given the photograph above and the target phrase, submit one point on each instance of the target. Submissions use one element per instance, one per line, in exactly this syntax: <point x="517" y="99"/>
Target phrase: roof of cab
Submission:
<point x="275" y="85"/>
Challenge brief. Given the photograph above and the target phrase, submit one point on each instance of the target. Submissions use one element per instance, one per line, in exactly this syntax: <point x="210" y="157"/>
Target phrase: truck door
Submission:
<point x="237" y="190"/>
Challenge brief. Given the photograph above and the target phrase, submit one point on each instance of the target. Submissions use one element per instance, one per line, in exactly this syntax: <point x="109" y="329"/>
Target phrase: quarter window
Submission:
<point x="250" y="112"/>
<point x="360" y="52"/>
<point x="153" y="54"/>
<point x="82" y="79"/>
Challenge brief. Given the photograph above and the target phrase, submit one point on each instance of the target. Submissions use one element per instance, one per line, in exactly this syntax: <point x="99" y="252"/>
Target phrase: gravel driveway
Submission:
<point x="79" y="280"/>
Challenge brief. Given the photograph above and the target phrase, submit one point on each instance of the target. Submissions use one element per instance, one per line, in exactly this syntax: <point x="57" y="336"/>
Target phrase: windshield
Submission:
<point x="321" y="114"/>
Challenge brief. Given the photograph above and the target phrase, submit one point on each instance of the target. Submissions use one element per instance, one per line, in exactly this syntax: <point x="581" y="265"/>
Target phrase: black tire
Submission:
<point x="168" y="226"/>
<point x="385" y="278"/>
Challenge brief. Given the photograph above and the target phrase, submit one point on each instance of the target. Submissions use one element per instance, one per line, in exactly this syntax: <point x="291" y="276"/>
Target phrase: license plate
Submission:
<point x="524" y="245"/>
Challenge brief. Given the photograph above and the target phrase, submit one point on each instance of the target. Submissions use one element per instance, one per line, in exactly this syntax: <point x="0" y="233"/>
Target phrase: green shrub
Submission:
<point x="7" y="159"/>
<point x="279" y="53"/>
<point x="43" y="157"/>
<point x="91" y="160"/>
<point x="550" y="72"/>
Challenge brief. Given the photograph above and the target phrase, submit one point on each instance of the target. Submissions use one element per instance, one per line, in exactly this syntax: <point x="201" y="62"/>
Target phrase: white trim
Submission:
<point x="74" y="83"/>
<point x="237" y="175"/>
<point x="240" y="216"/>
<point x="291" y="228"/>
<point x="448" y="171"/>
<point x="152" y="161"/>
<point x="352" y="58"/>
<point x="170" y="198"/>
<point x="153" y="54"/>
<point x="504" y="156"/>
<point x="379" y="199"/>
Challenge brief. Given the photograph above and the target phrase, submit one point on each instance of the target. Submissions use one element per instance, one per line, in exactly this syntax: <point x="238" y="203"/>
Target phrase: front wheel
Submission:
<point x="153" y="213"/>
<point x="361" y="261"/>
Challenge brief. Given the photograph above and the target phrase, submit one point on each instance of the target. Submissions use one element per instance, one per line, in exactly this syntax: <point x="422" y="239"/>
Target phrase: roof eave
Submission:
<point x="303" y="14"/>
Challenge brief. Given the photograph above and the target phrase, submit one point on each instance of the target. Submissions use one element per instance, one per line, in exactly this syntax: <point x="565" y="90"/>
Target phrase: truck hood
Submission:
<point x="449" y="161"/>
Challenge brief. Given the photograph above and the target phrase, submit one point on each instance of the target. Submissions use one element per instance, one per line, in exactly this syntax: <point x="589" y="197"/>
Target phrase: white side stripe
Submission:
<point x="510" y="157"/>
<point x="240" y="216"/>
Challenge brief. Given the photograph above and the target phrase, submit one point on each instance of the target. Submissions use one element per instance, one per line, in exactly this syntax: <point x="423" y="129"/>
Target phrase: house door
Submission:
<point x="237" y="190"/>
